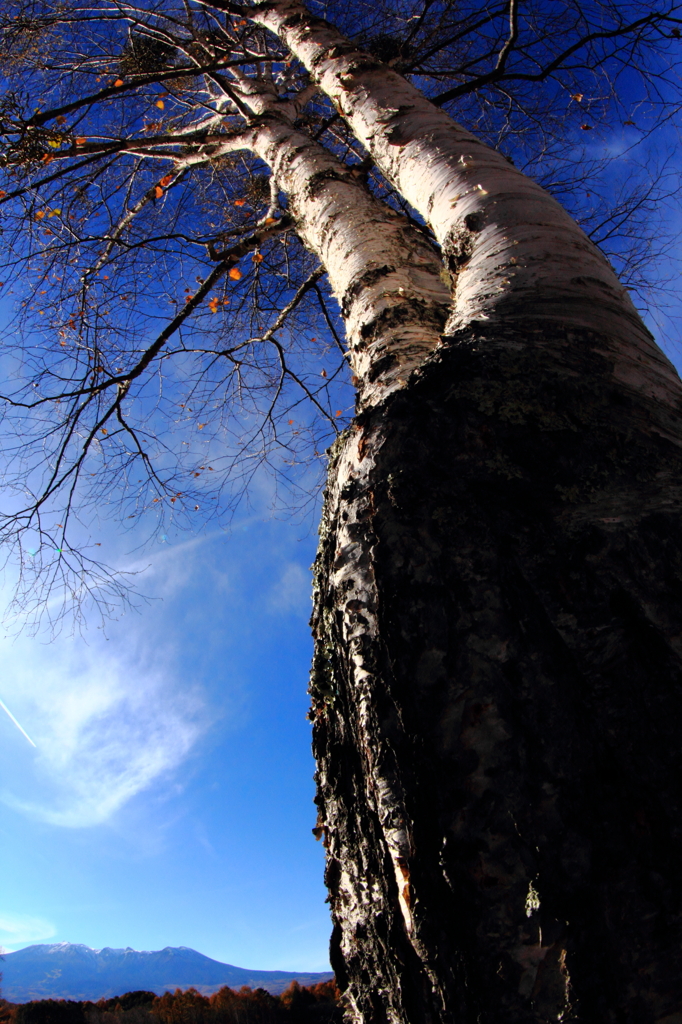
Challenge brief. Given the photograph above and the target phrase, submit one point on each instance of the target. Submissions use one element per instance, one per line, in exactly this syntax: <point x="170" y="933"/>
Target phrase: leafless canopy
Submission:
<point x="167" y="335"/>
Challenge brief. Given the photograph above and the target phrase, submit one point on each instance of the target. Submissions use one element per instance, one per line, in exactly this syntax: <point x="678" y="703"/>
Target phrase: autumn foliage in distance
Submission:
<point x="314" y="1004"/>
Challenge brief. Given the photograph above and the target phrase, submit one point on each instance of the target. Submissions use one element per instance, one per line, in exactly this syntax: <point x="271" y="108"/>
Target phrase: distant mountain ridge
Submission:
<point x="67" y="970"/>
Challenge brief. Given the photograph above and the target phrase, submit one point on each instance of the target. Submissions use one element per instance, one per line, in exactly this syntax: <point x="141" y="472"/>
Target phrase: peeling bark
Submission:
<point x="496" y="693"/>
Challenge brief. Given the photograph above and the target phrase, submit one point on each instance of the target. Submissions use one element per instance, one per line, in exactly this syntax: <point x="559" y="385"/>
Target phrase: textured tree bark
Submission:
<point x="512" y="251"/>
<point x="498" y="620"/>
<point x="385" y="275"/>
<point x="496" y="692"/>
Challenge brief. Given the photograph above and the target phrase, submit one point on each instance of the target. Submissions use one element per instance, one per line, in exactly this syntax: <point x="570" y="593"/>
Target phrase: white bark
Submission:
<point x="514" y="252"/>
<point x="350" y="522"/>
<point x="389" y="284"/>
<point x="387" y="279"/>
<point x="385" y="274"/>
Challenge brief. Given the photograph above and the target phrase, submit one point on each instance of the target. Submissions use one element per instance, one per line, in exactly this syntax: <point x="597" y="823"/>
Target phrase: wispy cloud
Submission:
<point x="19" y="929"/>
<point x="112" y="718"/>
<point x="108" y="718"/>
<point x="105" y="728"/>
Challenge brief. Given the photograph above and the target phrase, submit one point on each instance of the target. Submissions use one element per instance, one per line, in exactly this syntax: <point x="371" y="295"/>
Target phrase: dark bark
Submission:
<point x="505" y="564"/>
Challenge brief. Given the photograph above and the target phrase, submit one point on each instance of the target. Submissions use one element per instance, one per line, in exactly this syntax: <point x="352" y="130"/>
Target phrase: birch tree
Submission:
<point x="495" y="687"/>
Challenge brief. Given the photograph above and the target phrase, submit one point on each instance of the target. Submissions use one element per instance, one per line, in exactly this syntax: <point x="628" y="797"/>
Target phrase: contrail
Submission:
<point x="19" y="727"/>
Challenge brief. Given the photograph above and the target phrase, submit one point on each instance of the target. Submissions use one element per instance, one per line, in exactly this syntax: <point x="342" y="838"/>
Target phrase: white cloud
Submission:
<point x="20" y="929"/>
<point x="105" y="728"/>
<point x="109" y="718"/>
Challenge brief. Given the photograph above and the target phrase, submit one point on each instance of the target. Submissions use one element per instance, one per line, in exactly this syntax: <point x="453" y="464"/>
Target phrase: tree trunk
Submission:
<point x="385" y="275"/>
<point x="496" y="692"/>
<point x="498" y="620"/>
<point x="513" y="253"/>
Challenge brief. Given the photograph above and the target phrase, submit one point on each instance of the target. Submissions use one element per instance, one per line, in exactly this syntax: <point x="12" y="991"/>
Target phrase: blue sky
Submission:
<point x="168" y="800"/>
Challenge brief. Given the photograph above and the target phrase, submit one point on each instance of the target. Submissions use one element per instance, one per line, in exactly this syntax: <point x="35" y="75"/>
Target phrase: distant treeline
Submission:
<point x="312" y="1004"/>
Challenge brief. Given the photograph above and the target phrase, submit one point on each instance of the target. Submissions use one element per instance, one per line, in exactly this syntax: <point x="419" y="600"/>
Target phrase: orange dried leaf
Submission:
<point x="61" y="119"/>
<point x="290" y="422"/>
<point x="40" y="214"/>
<point x="240" y="202"/>
<point x="577" y="96"/>
<point x="200" y="426"/>
<point x="158" y="191"/>
<point x="81" y="141"/>
<point x="235" y="273"/>
<point x="338" y="412"/>
<point x="160" y="104"/>
<point x="257" y="258"/>
<point x="166" y="180"/>
<point x="270" y="220"/>
<point x="118" y="83"/>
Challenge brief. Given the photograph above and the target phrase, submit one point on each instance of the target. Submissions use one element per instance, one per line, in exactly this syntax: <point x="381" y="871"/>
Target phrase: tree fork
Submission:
<point x="513" y="252"/>
<point x="496" y="691"/>
<point x="385" y="276"/>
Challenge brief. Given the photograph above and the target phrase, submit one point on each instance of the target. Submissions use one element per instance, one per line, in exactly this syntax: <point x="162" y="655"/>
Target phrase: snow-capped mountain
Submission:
<point x="66" y="970"/>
